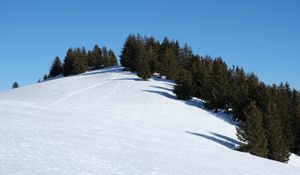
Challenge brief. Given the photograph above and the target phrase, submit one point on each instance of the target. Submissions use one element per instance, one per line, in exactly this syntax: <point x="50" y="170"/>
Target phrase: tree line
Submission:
<point x="79" y="60"/>
<point x="269" y="115"/>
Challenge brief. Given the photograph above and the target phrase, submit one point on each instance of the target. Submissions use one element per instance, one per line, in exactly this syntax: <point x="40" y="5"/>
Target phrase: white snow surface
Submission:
<point x="109" y="122"/>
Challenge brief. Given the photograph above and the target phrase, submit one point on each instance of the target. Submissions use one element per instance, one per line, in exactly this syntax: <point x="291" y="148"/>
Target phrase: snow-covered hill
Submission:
<point x="109" y="122"/>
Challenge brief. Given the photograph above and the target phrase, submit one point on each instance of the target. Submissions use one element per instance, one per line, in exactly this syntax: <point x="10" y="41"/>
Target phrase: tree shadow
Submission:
<point x="104" y="70"/>
<point x="218" y="138"/>
<point x="129" y="79"/>
<point x="162" y="88"/>
<point x="165" y="94"/>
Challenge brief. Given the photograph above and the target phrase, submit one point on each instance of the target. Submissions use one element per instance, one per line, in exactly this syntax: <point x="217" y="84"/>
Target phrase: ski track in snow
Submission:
<point x="96" y="104"/>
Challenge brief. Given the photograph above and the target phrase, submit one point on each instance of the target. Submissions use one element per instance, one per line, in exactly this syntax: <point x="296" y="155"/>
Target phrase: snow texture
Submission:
<point x="110" y="122"/>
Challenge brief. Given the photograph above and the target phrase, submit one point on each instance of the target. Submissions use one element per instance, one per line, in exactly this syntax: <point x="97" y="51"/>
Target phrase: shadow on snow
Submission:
<point x="218" y="138"/>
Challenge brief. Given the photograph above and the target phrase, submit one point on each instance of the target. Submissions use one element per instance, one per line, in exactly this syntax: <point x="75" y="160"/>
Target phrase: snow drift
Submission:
<point x="110" y="122"/>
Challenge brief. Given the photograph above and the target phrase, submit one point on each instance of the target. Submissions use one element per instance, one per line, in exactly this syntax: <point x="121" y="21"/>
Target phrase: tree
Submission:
<point x="184" y="85"/>
<point x="152" y="50"/>
<point x="142" y="62"/>
<point x="15" y="85"/>
<point x="185" y="56"/>
<point x="95" y="58"/>
<point x="68" y="66"/>
<point x="278" y="150"/>
<point x="168" y="65"/>
<point x="143" y="69"/>
<point x="80" y="61"/>
<point x="128" y="53"/>
<point x="219" y="90"/>
<point x="252" y="133"/>
<point x="45" y="77"/>
<point x="56" y="68"/>
<point x="76" y="61"/>
<point x="112" y="59"/>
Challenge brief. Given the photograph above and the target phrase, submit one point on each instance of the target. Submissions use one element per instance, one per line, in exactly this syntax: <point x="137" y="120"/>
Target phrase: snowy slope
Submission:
<point x="109" y="122"/>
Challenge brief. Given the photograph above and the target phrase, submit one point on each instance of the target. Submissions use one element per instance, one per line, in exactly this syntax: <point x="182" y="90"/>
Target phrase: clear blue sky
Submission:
<point x="261" y="36"/>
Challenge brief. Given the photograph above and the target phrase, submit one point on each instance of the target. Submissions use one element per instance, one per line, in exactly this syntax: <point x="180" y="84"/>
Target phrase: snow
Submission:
<point x="110" y="122"/>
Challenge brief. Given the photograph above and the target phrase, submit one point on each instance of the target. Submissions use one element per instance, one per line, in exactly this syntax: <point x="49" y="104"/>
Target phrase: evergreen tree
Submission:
<point x="80" y="61"/>
<point x="168" y="65"/>
<point x="201" y="69"/>
<point x="185" y="57"/>
<point x="56" y="68"/>
<point x="143" y="69"/>
<point x="219" y="89"/>
<point x="184" y="85"/>
<point x="296" y="118"/>
<point x="76" y="62"/>
<point x="69" y="61"/>
<point x="142" y="62"/>
<point x="95" y="58"/>
<point x="152" y="50"/>
<point x="128" y="54"/>
<point x="45" y="77"/>
<point x="15" y="85"/>
<point x="112" y="59"/>
<point x="252" y="132"/>
<point x="278" y="150"/>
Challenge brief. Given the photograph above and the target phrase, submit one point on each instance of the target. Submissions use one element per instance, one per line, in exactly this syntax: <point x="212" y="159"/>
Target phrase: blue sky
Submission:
<point x="260" y="35"/>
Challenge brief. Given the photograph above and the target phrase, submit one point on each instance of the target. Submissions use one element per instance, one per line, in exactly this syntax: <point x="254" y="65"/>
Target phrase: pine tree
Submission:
<point x="184" y="85"/>
<point x="201" y="69"/>
<point x="112" y="59"/>
<point x="56" y="68"/>
<point x="219" y="89"/>
<point x="252" y="132"/>
<point x="278" y="150"/>
<point x="143" y="69"/>
<point x="185" y="56"/>
<point x="69" y="61"/>
<point x="15" y="85"/>
<point x="168" y="65"/>
<point x="128" y="54"/>
<point x="45" y="77"/>
<point x="95" y="58"/>
<point x="80" y="61"/>
<point x="152" y="50"/>
<point x="142" y="62"/>
<point x="296" y="121"/>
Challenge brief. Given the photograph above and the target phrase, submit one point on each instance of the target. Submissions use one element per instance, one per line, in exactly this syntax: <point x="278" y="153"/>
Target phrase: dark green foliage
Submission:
<point x="112" y="59"/>
<point x="80" y="61"/>
<point x="128" y="55"/>
<point x="15" y="85"/>
<point x="56" y="68"/>
<point x="143" y="69"/>
<point x="184" y="85"/>
<point x="219" y="87"/>
<point x="95" y="58"/>
<point x="201" y="69"/>
<point x="168" y="65"/>
<point x="278" y="149"/>
<point x="152" y="51"/>
<point x="168" y="60"/>
<point x="244" y="89"/>
<point x="296" y="118"/>
<point x="76" y="62"/>
<point x="45" y="77"/>
<point x="252" y="132"/>
<point x="186" y="56"/>
<point x="68" y="66"/>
